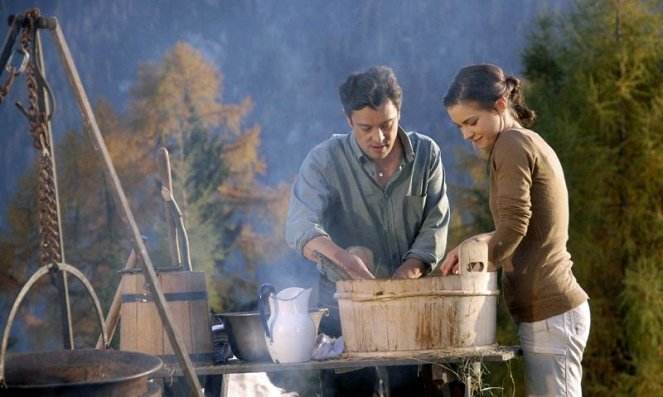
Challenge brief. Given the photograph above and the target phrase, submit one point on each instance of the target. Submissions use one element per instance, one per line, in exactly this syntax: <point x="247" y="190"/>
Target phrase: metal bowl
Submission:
<point x="246" y="334"/>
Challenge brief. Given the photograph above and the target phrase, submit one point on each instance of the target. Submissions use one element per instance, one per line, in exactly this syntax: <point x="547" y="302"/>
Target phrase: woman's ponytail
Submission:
<point x="526" y="117"/>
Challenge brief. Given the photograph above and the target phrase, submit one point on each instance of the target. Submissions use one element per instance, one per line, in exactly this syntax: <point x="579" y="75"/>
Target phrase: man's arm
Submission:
<point x="308" y="199"/>
<point x="304" y="231"/>
<point x="430" y="244"/>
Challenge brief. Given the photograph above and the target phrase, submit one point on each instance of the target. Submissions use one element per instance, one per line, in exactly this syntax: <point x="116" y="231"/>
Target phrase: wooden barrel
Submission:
<point x="141" y="328"/>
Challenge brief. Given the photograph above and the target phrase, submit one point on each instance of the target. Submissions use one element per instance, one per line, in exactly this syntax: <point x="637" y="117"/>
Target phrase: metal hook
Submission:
<point x="24" y="62"/>
<point x="50" y="99"/>
<point x="10" y="40"/>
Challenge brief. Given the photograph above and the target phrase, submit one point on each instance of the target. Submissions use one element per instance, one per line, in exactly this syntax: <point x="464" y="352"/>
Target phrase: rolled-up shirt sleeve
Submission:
<point x="430" y="244"/>
<point x="308" y="199"/>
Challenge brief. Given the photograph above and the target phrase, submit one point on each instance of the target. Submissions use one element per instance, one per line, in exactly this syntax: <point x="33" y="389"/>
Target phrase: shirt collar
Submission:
<point x="408" y="150"/>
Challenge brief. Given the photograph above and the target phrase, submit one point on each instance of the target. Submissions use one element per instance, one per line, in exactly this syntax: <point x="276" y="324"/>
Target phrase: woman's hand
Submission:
<point x="450" y="263"/>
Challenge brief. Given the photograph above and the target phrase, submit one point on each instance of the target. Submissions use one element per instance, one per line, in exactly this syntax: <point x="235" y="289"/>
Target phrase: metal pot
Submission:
<point x="246" y="334"/>
<point x="84" y="372"/>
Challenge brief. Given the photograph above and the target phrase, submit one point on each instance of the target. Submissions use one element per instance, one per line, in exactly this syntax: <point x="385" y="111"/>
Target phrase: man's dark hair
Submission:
<point x="370" y="87"/>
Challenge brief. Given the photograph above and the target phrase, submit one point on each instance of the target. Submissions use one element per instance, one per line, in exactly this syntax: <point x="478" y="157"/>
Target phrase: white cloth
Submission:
<point x="327" y="347"/>
<point x="552" y="353"/>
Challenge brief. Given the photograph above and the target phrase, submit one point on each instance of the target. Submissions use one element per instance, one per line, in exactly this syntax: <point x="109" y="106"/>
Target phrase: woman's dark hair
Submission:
<point x="484" y="84"/>
<point x="370" y="87"/>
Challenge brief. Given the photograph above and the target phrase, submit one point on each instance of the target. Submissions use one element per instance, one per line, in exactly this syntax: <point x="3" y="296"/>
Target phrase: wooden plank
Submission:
<point x="201" y="329"/>
<point x="450" y="356"/>
<point x="129" y="314"/>
<point x="348" y="331"/>
<point x="172" y="283"/>
<point x="149" y="335"/>
<point x="115" y="308"/>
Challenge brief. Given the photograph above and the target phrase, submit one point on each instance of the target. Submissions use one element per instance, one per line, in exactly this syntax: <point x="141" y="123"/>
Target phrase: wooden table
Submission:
<point x="451" y="356"/>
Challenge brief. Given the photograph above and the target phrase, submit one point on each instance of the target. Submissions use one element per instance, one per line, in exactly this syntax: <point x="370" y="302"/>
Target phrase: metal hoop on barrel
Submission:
<point x="35" y="277"/>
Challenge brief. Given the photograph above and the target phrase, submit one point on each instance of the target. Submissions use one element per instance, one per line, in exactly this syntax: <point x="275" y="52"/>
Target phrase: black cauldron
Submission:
<point x="84" y="372"/>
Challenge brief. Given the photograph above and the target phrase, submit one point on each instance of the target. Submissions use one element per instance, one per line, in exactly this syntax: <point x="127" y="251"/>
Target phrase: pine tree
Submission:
<point x="596" y="80"/>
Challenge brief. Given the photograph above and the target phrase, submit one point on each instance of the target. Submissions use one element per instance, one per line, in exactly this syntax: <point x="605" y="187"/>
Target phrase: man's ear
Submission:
<point x="501" y="105"/>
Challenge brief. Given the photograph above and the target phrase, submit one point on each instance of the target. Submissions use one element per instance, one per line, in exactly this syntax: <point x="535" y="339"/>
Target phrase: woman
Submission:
<point x="529" y="204"/>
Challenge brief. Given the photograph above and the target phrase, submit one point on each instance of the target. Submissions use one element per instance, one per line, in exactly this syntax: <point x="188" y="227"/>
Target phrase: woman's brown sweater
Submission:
<point x="529" y="204"/>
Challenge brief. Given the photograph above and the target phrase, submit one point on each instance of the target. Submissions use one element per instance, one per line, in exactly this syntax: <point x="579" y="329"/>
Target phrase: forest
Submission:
<point x="593" y="71"/>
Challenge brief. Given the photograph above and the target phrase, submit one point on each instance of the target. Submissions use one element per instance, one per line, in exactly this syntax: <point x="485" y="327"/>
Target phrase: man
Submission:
<point x="379" y="188"/>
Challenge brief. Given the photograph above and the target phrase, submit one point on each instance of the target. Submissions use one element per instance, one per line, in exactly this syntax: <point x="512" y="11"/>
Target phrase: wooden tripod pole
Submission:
<point x="125" y="211"/>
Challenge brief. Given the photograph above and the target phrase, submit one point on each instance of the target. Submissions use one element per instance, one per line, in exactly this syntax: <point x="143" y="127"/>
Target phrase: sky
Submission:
<point x="289" y="57"/>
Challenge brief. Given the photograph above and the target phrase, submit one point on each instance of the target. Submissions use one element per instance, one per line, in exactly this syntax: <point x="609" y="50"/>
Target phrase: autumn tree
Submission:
<point x="177" y="103"/>
<point x="596" y="80"/>
<point x="234" y="221"/>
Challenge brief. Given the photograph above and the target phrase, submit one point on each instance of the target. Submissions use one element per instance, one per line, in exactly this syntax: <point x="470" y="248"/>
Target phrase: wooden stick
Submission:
<point x="176" y="214"/>
<point x="165" y="175"/>
<point x="125" y="211"/>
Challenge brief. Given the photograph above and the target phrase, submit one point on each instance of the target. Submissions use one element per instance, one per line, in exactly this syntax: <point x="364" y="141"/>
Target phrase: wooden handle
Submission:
<point x="166" y="179"/>
<point x="163" y="165"/>
<point x="473" y="257"/>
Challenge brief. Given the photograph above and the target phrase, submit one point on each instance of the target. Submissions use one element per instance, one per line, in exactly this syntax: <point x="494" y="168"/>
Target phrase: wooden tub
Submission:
<point x="413" y="316"/>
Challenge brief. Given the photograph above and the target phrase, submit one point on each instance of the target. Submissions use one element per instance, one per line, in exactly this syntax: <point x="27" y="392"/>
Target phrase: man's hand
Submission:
<point x="411" y="268"/>
<point x="353" y="265"/>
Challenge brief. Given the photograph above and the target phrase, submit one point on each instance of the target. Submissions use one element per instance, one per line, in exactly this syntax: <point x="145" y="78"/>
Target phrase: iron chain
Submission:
<point x="49" y="231"/>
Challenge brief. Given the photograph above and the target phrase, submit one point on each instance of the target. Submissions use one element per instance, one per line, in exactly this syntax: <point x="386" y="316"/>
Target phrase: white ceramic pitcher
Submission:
<point x="289" y="331"/>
